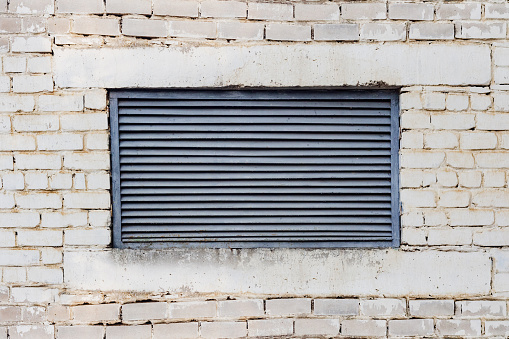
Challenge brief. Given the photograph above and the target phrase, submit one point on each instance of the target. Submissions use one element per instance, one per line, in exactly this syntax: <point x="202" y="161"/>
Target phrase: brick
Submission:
<point x="364" y="11"/>
<point x="45" y="275"/>
<point x="73" y="332"/>
<point x="269" y="11"/>
<point x="501" y="102"/>
<point x="500" y="57"/>
<point x="16" y="142"/>
<point x="223" y="329"/>
<point x="459" y="11"/>
<point x="31" y="6"/>
<point x="50" y="255"/>
<point x="60" y="181"/>
<point x="491" y="198"/>
<point x="496" y="327"/>
<point x="223" y="9"/>
<point x="19" y="219"/>
<point x="495" y="237"/>
<point x="418" y="198"/>
<point x="441" y="140"/>
<point x="494" y="179"/>
<point x="450" y="236"/>
<point x="178" y="8"/>
<point x="501" y="282"/>
<point x="36" y="180"/>
<point x="32" y="331"/>
<point x="410" y="100"/>
<point x="58" y="313"/>
<point x="459" y="327"/>
<point x="39" y="295"/>
<point x="33" y="25"/>
<point x="129" y="6"/>
<point x="192" y="29"/>
<point x="144" y="311"/>
<point x="454" y="198"/>
<point x="287" y="32"/>
<point x="5" y="84"/>
<point x="79" y="181"/>
<point x="336" y="32"/>
<point x="99" y="218"/>
<point x="412" y="140"/>
<point x="422" y="159"/>
<point x="96" y="25"/>
<point x="293" y="306"/>
<point x="6" y="162"/>
<point x="39" y="200"/>
<point x="411" y="327"/>
<point x="10" y="103"/>
<point x="89" y="200"/>
<point x="80" y="7"/>
<point x="18" y="257"/>
<point x="10" y="314"/>
<point x="93" y="41"/>
<point x="447" y="178"/>
<point x="496" y="11"/>
<point x="62" y="141"/>
<point x="501" y="75"/>
<point x="35" y="123"/>
<point x="502" y="218"/>
<point x="492" y="160"/>
<point x="482" y="308"/>
<point x="177" y="330"/>
<point x="480" y="102"/>
<point x="269" y="327"/>
<point x="411" y="11"/>
<point x="363" y="327"/>
<point x="471" y="217"/>
<point x="145" y="28"/>
<point x="31" y="44"/>
<point x="97" y="141"/>
<point x="129" y="332"/>
<point x="55" y="103"/>
<point x="87" y="161"/>
<point x="240" y="30"/>
<point x="434" y="101"/>
<point x="193" y="309"/>
<point x="40" y="238"/>
<point x="13" y="181"/>
<point x="98" y="181"/>
<point x="6" y="200"/>
<point x="412" y="219"/>
<point x="32" y="83"/>
<point x="336" y="306"/>
<point x="478" y="140"/>
<point x="435" y="31"/>
<point x="316" y="326"/>
<point x="457" y="102"/>
<point x="84" y="122"/>
<point x="383" y="308"/>
<point x="383" y="32"/>
<point x="493" y="121"/>
<point x="240" y="308"/>
<point x="95" y="99"/>
<point x="7" y="239"/>
<point x="10" y="25"/>
<point x="460" y="159"/>
<point x="481" y="30"/>
<point x="317" y="12"/>
<point x="14" y="64"/>
<point x="96" y="313"/>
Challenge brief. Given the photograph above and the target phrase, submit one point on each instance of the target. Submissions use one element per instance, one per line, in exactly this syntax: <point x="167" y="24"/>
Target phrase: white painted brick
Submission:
<point x="79" y="181"/>
<point x="45" y="275"/>
<point x="31" y="44"/>
<point x="316" y="326"/>
<point x="431" y="308"/>
<point x="60" y="181"/>
<point x="86" y="161"/>
<point x="192" y="29"/>
<point x="336" y="32"/>
<point x="96" y="313"/>
<point x="336" y="306"/>
<point x="412" y="218"/>
<point x="293" y="306"/>
<point x="97" y="141"/>
<point x="411" y="139"/>
<point x="80" y="7"/>
<point x="491" y="198"/>
<point x="6" y="162"/>
<point x="496" y="327"/>
<point x="35" y="123"/>
<point x="184" y="8"/>
<point x="411" y="178"/>
<point x="482" y="308"/>
<point x="19" y="219"/>
<point x="10" y="103"/>
<point x="145" y="28"/>
<point x="32" y="6"/>
<point x="502" y="218"/>
<point x="366" y="328"/>
<point x="89" y="200"/>
<point x="32" y="83"/>
<point x="38" y="295"/>
<point x="435" y="218"/>
<point x="410" y="100"/>
<point x="38" y="200"/>
<point x="223" y="9"/>
<point x="418" y="198"/>
<point x="383" y="32"/>
<point x="493" y="121"/>
<point x="39" y="65"/>
<point x="93" y="41"/>
<point x="383" y="308"/>
<point x="422" y="159"/>
<point x="496" y="11"/>
<point x="129" y="332"/>
<point x="39" y="238"/>
<point x="501" y="75"/>
<point x="193" y="309"/>
<point x="492" y="160"/>
<point x="429" y="31"/>
<point x="5" y="123"/>
<point x="33" y="25"/>
<point x="441" y="140"/>
<point x="500" y="57"/>
<point x="460" y="159"/>
<point x="494" y="179"/>
<point x="79" y="237"/>
<point x="63" y="219"/>
<point x="36" y="180"/>
<point x="269" y="11"/>
<point x="240" y="30"/>
<point x="73" y="332"/>
<point x="453" y="11"/>
<point x="13" y="181"/>
<point x="413" y="236"/>
<point x="454" y="198"/>
<point x="240" y="308"/>
<point x="14" y="275"/>
<point x="317" y="12"/>
<point x="480" y="102"/>
<point x="84" y="122"/>
<point x="6" y="200"/>
<point x="144" y="311"/>
<point x="501" y="282"/>
<point x="447" y="178"/>
<point x="434" y="101"/>
<point x="364" y="11"/>
<point x="270" y="327"/>
<point x="98" y="181"/>
<point x="457" y="102"/>
<point x="223" y="329"/>
<point x="178" y="330"/>
<point x="50" y="256"/>
<point x="55" y="103"/>
<point x="99" y="218"/>
<point x="18" y="257"/>
<point x="501" y="102"/>
<point x="449" y="236"/>
<point x="411" y="11"/>
<point x="470" y="217"/>
<point x="411" y="327"/>
<point x="16" y="142"/>
<point x="7" y="239"/>
<point x="38" y="161"/>
<point x="459" y="327"/>
<point x="469" y="140"/>
<point x="96" y="25"/>
<point x="129" y="6"/>
<point x="287" y="32"/>
<point x="62" y="141"/>
<point x="14" y="64"/>
<point x="481" y="30"/>
<point x="95" y="99"/>
<point x="31" y="331"/>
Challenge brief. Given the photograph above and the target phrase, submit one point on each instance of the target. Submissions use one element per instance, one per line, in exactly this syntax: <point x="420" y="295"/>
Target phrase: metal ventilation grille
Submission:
<point x="255" y="168"/>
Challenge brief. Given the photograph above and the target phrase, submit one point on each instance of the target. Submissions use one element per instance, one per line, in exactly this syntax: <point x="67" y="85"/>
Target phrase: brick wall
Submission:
<point x="60" y="278"/>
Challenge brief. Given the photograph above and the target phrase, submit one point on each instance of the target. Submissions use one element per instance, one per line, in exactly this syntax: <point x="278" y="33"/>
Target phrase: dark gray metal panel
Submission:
<point x="254" y="168"/>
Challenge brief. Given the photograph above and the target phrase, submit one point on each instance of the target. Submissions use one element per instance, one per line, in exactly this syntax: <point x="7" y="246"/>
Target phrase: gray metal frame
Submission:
<point x="344" y="94"/>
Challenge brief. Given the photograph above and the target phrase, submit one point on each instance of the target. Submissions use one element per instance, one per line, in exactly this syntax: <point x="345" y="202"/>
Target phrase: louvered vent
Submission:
<point x="255" y="168"/>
